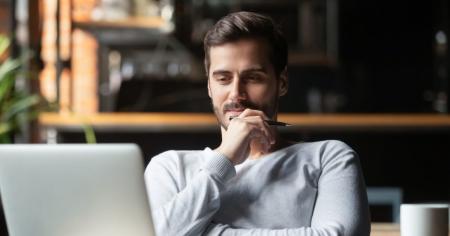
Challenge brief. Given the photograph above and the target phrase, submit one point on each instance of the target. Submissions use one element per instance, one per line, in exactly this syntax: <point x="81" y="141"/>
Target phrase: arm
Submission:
<point x="226" y="230"/>
<point x="341" y="206"/>
<point x="179" y="210"/>
<point x="342" y="195"/>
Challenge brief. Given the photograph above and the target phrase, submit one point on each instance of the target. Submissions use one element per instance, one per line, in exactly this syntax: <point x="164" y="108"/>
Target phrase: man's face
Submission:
<point x="242" y="76"/>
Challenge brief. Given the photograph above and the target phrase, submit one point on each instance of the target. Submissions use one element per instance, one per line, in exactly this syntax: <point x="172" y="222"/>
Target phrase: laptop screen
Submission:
<point x="74" y="189"/>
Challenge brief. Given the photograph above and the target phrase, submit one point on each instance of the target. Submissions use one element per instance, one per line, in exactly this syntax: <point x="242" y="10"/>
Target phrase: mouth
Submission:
<point x="234" y="109"/>
<point x="233" y="112"/>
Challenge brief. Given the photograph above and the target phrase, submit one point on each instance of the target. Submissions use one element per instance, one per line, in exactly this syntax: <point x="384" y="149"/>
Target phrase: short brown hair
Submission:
<point x="243" y="24"/>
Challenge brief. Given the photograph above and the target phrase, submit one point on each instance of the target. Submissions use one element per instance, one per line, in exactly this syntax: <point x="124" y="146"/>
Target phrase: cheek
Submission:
<point x="261" y="93"/>
<point x="217" y="95"/>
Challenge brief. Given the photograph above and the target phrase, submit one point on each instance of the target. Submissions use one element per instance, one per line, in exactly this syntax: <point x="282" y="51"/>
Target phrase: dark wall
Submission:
<point x="386" y="54"/>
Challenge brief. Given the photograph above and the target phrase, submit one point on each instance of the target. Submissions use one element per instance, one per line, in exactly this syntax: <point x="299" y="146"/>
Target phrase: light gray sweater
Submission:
<point x="305" y="189"/>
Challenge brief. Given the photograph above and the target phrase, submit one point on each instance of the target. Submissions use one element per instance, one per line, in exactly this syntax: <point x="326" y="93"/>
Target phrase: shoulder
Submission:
<point x="325" y="153"/>
<point x="333" y="148"/>
<point x="336" y="151"/>
<point x="322" y="146"/>
<point x="321" y="149"/>
<point x="337" y="160"/>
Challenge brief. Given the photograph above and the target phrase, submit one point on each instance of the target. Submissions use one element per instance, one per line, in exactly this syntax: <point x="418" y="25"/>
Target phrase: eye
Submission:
<point x="253" y="78"/>
<point x="222" y="79"/>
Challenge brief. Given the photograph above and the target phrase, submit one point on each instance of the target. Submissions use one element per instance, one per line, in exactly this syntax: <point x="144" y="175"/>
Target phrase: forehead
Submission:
<point x="239" y="54"/>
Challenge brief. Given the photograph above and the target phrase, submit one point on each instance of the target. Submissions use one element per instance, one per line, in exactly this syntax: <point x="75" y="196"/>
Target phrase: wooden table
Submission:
<point x="386" y="229"/>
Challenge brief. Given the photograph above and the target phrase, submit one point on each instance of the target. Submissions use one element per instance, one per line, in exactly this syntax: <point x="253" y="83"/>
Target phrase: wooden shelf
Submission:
<point x="131" y="22"/>
<point x="368" y="121"/>
<point x="131" y="121"/>
<point x="161" y="122"/>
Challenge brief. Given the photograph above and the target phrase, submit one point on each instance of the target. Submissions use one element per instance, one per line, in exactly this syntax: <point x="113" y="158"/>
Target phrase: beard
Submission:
<point x="269" y="109"/>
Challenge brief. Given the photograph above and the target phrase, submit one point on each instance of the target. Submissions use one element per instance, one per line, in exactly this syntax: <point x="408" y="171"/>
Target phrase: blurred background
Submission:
<point x="372" y="73"/>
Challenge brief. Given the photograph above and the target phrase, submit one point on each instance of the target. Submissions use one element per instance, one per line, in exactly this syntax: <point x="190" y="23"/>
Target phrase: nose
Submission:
<point x="238" y="90"/>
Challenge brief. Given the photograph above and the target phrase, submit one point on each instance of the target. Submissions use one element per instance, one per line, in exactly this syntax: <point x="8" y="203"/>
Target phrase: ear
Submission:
<point x="283" y="83"/>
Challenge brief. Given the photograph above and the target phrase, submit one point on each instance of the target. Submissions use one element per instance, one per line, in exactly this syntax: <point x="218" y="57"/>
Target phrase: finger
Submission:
<point x="249" y="112"/>
<point x="254" y="122"/>
<point x="259" y="123"/>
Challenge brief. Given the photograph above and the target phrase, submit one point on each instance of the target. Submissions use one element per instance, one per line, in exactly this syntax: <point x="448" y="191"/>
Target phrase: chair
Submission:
<point x="392" y="196"/>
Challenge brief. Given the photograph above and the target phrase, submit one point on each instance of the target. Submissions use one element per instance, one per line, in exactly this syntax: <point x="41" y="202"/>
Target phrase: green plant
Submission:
<point x="16" y="106"/>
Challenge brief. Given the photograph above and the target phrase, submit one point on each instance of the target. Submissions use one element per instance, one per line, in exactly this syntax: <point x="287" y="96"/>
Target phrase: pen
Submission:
<point x="272" y="122"/>
<point x="276" y="123"/>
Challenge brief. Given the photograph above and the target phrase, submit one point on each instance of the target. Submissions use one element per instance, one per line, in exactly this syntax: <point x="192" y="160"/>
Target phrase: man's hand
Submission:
<point x="248" y="127"/>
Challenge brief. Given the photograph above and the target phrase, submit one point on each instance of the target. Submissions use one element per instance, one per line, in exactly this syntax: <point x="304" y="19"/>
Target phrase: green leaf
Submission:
<point x="9" y="66"/>
<point x="89" y="134"/>
<point x="5" y="128"/>
<point x="20" y="105"/>
<point x="4" y="138"/>
<point x="5" y="132"/>
<point x="4" y="44"/>
<point x="16" y="106"/>
<point x="6" y="87"/>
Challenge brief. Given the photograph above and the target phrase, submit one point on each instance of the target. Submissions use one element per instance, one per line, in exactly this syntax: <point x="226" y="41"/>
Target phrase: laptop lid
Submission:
<point x="74" y="189"/>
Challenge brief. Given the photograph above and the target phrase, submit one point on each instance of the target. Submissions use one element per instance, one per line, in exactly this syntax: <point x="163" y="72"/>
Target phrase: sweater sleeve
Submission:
<point x="226" y="230"/>
<point x="185" y="210"/>
<point x="342" y="197"/>
<point x="341" y="207"/>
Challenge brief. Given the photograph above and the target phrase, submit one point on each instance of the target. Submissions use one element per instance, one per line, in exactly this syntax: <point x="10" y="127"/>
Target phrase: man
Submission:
<point x="255" y="182"/>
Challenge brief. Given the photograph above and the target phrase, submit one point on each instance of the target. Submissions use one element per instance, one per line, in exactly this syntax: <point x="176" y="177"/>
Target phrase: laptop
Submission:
<point x="74" y="189"/>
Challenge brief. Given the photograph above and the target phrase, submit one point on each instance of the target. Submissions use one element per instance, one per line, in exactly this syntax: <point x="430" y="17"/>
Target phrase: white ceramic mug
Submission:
<point x="424" y="219"/>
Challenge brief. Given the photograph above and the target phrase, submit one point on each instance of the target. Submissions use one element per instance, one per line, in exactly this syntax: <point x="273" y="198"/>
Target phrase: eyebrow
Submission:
<point x="221" y="72"/>
<point x="253" y="70"/>
<point x="246" y="71"/>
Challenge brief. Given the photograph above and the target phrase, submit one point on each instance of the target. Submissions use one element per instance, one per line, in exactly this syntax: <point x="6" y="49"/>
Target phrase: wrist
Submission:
<point x="220" y="165"/>
<point x="229" y="155"/>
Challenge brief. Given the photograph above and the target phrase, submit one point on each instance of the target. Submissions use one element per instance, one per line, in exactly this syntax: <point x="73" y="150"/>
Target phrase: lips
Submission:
<point x="234" y="109"/>
<point x="234" y="112"/>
